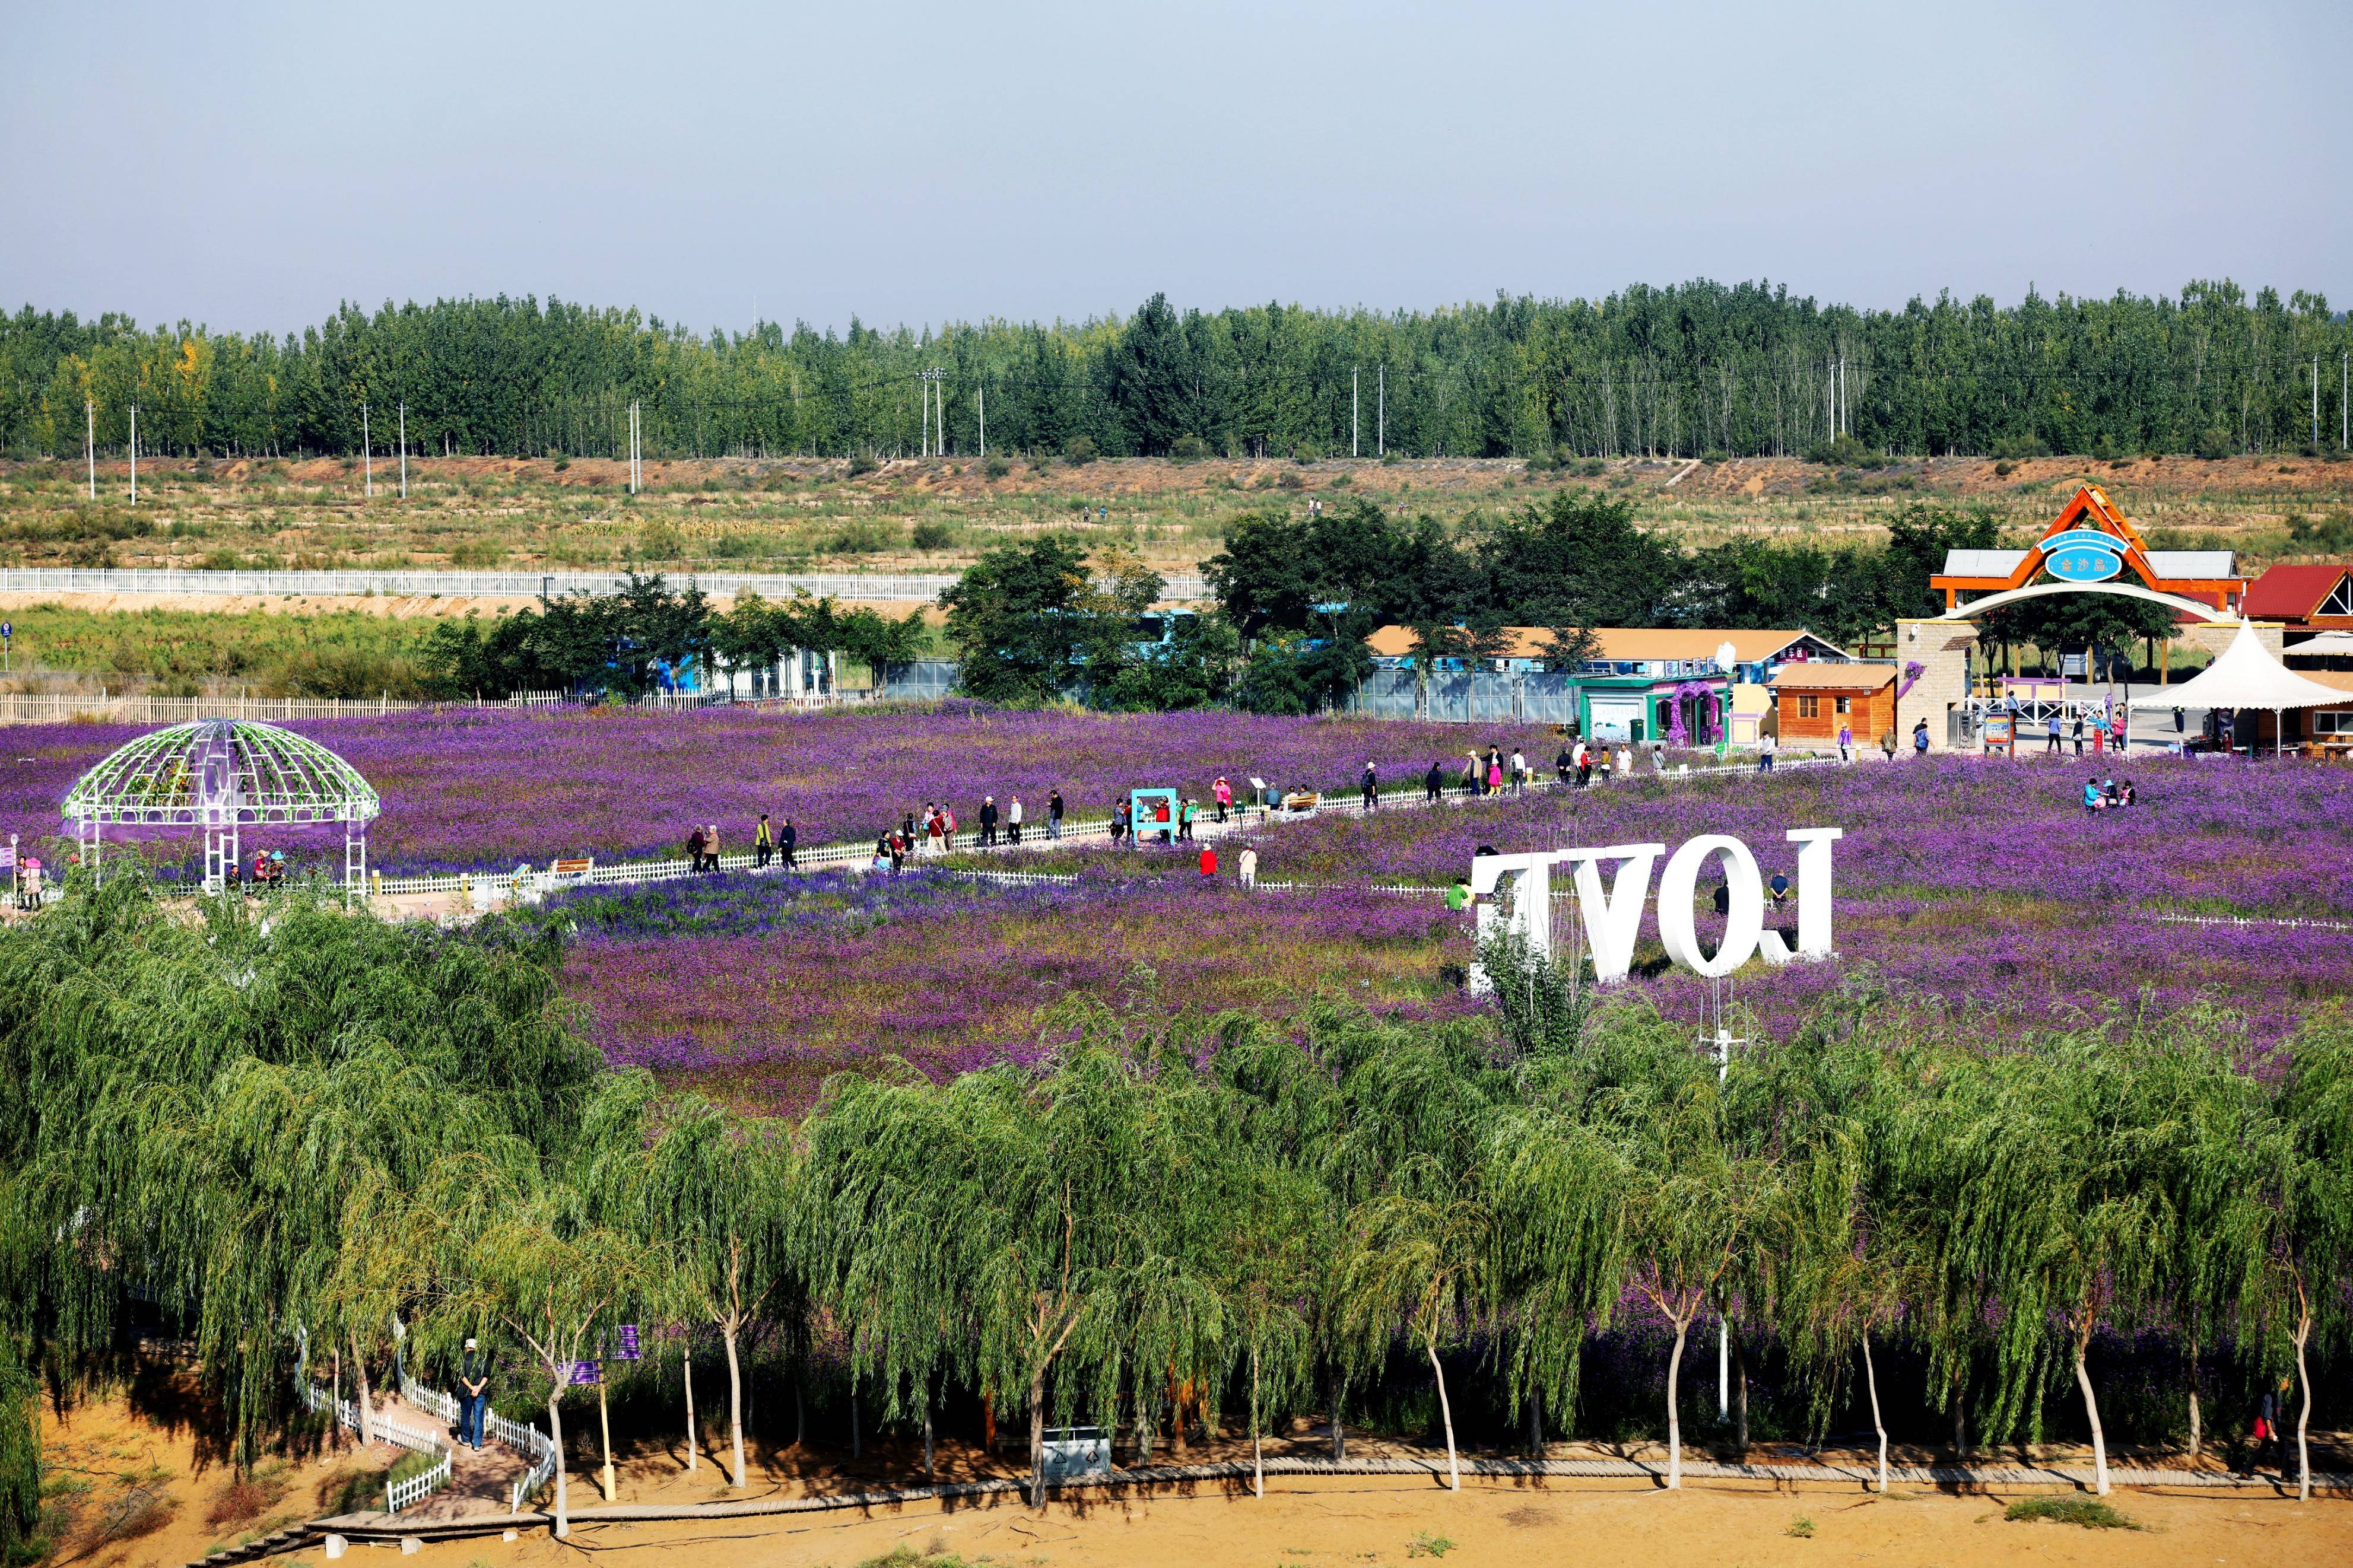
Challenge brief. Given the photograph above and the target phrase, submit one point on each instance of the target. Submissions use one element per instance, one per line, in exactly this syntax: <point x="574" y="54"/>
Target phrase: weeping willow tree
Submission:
<point x="20" y="1454"/>
<point x="885" y="1224"/>
<point x="2044" y="1165"/>
<point x="246" y="1119"/>
<point x="543" y="1270"/>
<point x="1693" y="1196"/>
<point x="713" y="1191"/>
<point x="2310" y="1256"/>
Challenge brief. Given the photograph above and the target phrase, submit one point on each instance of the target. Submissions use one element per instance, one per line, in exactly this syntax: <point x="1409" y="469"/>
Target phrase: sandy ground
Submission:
<point x="1313" y="1523"/>
<point x="154" y="1471"/>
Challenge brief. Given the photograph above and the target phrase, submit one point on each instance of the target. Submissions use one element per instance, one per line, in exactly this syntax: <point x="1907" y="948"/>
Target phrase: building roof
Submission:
<point x="1982" y="562"/>
<point x="1859" y="676"/>
<point x="1630" y="644"/>
<point x="2292" y="593"/>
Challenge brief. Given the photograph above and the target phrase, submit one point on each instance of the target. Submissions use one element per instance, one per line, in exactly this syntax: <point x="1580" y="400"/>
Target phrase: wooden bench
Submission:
<point x="575" y="869"/>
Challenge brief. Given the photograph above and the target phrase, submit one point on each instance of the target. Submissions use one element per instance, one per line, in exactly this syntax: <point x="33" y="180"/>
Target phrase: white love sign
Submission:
<point x="1515" y="895"/>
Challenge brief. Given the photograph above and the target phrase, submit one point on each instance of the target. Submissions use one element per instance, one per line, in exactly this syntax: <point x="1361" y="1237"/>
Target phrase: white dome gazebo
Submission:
<point x="221" y="776"/>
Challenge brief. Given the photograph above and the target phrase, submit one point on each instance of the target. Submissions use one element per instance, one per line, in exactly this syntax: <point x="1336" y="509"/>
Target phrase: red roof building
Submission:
<point x="2303" y="598"/>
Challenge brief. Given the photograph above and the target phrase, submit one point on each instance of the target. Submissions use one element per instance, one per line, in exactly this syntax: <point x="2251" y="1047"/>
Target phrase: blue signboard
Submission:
<point x="2083" y="555"/>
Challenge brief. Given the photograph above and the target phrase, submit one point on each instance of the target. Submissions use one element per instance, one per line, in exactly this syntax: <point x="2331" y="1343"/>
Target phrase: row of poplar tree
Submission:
<point x="326" y="1123"/>
<point x="1686" y="370"/>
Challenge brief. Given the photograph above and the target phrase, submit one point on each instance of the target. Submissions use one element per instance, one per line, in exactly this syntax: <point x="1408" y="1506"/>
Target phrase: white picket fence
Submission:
<point x="528" y="885"/>
<point x="398" y="1495"/>
<point x="533" y="1445"/>
<point x="903" y="588"/>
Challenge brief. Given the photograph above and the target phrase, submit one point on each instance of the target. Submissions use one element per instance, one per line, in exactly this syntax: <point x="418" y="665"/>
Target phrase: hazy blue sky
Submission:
<point x="249" y="164"/>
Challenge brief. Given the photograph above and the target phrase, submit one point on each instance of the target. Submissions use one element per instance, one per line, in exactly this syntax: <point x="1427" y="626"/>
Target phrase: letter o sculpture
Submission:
<point x="1679" y="884"/>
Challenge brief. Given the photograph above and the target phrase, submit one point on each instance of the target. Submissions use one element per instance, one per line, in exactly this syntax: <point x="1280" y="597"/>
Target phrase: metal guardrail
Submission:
<point x="863" y="587"/>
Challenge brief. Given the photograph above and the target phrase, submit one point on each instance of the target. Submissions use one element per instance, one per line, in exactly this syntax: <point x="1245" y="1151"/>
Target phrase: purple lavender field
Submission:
<point x="1977" y="893"/>
<point x="475" y="788"/>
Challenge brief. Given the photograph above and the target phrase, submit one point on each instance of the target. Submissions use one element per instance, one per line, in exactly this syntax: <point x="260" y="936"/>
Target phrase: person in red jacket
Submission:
<point x="1208" y="862"/>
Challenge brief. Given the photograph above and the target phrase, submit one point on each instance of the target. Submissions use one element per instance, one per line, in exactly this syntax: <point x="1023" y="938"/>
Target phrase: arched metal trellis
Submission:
<point x="222" y="775"/>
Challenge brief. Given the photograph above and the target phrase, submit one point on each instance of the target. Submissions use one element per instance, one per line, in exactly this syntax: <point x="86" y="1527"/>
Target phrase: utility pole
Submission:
<point x="89" y="444"/>
<point x="982" y="396"/>
<point x="404" y="451"/>
<point x="1381" y="410"/>
<point x="368" y="453"/>
<point x="134" y="454"/>
<point x="2315" y="405"/>
<point x="1354" y="403"/>
<point x="2343" y="379"/>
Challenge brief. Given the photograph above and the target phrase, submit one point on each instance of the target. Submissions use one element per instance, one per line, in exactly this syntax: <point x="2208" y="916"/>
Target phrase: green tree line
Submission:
<point x="322" y="1123"/>
<point x="1297" y="596"/>
<point x="1745" y="369"/>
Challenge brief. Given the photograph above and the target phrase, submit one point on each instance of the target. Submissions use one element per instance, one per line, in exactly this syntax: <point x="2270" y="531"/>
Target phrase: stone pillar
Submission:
<point x="1942" y="650"/>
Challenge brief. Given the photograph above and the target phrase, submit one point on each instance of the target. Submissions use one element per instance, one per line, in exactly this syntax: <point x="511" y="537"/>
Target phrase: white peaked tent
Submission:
<point x="2246" y="675"/>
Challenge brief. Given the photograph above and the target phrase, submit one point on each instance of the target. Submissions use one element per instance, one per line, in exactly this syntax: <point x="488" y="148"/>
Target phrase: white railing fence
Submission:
<point x="533" y="1445"/>
<point x="872" y="588"/>
<point x="400" y="1494"/>
<point x="527" y="884"/>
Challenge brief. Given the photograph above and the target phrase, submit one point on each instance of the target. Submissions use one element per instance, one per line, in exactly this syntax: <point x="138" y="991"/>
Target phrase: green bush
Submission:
<point x="1714" y="456"/>
<point x="996" y="467"/>
<point x="1846" y="452"/>
<point x="860" y="465"/>
<point x="1081" y="451"/>
<point x="931" y="536"/>
<point x="2020" y="447"/>
<point x="2216" y="443"/>
<point x="1188" y="448"/>
<point x="2088" y="1511"/>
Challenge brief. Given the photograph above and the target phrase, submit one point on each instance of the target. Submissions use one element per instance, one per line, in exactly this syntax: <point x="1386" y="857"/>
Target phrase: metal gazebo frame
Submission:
<point x="221" y="776"/>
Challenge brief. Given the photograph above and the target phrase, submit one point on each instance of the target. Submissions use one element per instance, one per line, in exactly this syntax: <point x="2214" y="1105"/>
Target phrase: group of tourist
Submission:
<point x="768" y="841"/>
<point x="2106" y="794"/>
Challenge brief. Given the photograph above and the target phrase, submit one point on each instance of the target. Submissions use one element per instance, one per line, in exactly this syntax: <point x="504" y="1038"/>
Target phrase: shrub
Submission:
<point x="1801" y="1527"/>
<point x="1291" y="482"/>
<point x="1846" y="452"/>
<point x="562" y="464"/>
<point x="2088" y="1511"/>
<point x="1342" y="482"/>
<point x="1081" y="449"/>
<point x="2004" y="469"/>
<point x="996" y="467"/>
<point x="1389" y="458"/>
<point x="1541" y="462"/>
<point x="2020" y="447"/>
<point x="1592" y="468"/>
<point x="929" y="536"/>
<point x="1188" y="448"/>
<point x="2215" y="444"/>
<point x="1714" y="456"/>
<point x="860" y="464"/>
<point x="1428" y="1545"/>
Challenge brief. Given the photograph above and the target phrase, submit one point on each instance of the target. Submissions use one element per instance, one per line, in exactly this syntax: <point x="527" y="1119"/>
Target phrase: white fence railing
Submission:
<point x="60" y="708"/>
<point x="489" y="890"/>
<point x="860" y="587"/>
<point x="401" y="1494"/>
<point x="536" y="1447"/>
